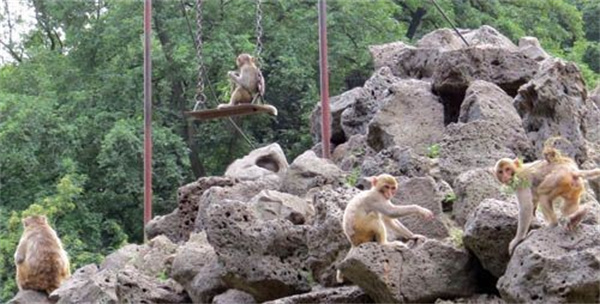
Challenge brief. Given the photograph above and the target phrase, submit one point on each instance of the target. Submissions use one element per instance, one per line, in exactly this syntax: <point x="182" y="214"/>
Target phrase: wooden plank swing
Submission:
<point x="231" y="111"/>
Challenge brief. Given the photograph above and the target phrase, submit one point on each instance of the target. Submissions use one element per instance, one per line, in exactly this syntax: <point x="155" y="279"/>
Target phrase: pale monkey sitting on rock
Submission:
<point x="370" y="214"/>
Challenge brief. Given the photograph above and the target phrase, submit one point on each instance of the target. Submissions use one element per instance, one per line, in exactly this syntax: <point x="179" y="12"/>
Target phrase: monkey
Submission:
<point x="370" y="214"/>
<point x="248" y="84"/>
<point x="42" y="263"/>
<point x="540" y="183"/>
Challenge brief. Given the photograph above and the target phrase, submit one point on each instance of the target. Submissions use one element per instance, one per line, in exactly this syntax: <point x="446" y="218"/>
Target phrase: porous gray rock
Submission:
<point x="474" y="186"/>
<point x="478" y="144"/>
<point x="486" y="101"/>
<point x="308" y="171"/>
<point x="487" y="36"/>
<point x="530" y="47"/>
<point x="27" y="296"/>
<point x="242" y="191"/>
<point x="344" y="294"/>
<point x="457" y="69"/>
<point x="594" y="96"/>
<point x="396" y="161"/>
<point x="488" y="231"/>
<point x="88" y="285"/>
<point x="188" y="198"/>
<point x="118" y="259"/>
<point x="351" y="154"/>
<point x="410" y="117"/>
<point x="357" y="116"/>
<point x="197" y="269"/>
<point x="338" y="104"/>
<point x="267" y="162"/>
<point x="327" y="243"/>
<point x="443" y="39"/>
<point x="476" y="299"/>
<point x="271" y="204"/>
<point x="266" y="259"/>
<point x="553" y="265"/>
<point x="422" y="191"/>
<point x="555" y="103"/>
<point x="167" y="225"/>
<point x="394" y="274"/>
<point x="135" y="287"/>
<point x="234" y="296"/>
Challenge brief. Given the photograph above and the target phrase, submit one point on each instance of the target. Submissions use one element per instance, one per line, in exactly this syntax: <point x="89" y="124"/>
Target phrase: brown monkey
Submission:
<point x="541" y="182"/>
<point x="370" y="214"/>
<point x="248" y="82"/>
<point x="42" y="263"/>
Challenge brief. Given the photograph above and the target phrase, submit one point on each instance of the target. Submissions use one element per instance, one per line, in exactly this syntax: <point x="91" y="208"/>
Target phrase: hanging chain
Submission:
<point x="200" y="96"/>
<point x="259" y="29"/>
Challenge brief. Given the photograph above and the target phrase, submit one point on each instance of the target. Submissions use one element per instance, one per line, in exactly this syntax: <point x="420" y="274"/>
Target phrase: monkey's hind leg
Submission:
<point x="574" y="214"/>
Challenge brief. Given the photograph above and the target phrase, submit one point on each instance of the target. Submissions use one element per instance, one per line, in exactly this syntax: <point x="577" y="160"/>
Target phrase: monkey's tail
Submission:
<point x="339" y="277"/>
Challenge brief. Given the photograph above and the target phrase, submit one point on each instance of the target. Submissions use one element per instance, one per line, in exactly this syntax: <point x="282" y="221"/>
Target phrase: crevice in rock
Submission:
<point x="452" y="102"/>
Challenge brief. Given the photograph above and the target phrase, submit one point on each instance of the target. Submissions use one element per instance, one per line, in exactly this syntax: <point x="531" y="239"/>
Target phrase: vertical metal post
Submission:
<point x="325" y="119"/>
<point x="147" y="115"/>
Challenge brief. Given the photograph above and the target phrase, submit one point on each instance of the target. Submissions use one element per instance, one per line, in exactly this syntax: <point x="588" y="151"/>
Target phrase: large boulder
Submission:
<point x="357" y="116"/>
<point x="486" y="101"/>
<point x="487" y="36"/>
<point x="267" y="162"/>
<point x="327" y="243"/>
<point x="478" y="144"/>
<point x="271" y="204"/>
<point x="188" y="198"/>
<point x="396" y="161"/>
<point x="410" y="117"/>
<point x="196" y="267"/>
<point x="554" y="266"/>
<point x="488" y="231"/>
<point x="27" y="296"/>
<point x="471" y="188"/>
<point x="338" y="104"/>
<point x="136" y="287"/>
<point x="344" y="294"/>
<point x="530" y="47"/>
<point x="555" y="103"/>
<point x="457" y="69"/>
<point x="398" y="274"/>
<point x="309" y="171"/>
<point x="443" y="39"/>
<point x="232" y="296"/>
<point x="266" y="259"/>
<point x="351" y="154"/>
<point x="424" y="192"/>
<point x="88" y="285"/>
<point x="168" y="225"/>
<point x="243" y="191"/>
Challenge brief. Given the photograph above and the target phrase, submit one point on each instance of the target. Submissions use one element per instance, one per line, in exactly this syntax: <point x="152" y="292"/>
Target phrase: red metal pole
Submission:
<point x="325" y="119"/>
<point x="147" y="115"/>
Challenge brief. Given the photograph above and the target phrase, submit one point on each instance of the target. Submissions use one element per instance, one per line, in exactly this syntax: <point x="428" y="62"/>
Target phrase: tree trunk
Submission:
<point x="177" y="95"/>
<point x="415" y="21"/>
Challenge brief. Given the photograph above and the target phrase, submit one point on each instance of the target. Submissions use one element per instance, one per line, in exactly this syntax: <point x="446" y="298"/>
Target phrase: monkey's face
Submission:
<point x="505" y="170"/>
<point x="386" y="185"/>
<point x="243" y="59"/>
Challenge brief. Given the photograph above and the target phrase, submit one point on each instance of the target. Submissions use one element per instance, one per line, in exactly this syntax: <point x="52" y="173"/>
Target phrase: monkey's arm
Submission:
<point x="525" y="199"/>
<point x="398" y="227"/>
<point x="20" y="253"/>
<point x="391" y="210"/>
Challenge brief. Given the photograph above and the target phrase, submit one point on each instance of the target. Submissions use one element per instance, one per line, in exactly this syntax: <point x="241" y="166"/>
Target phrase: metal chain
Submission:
<point x="200" y="97"/>
<point x="259" y="29"/>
